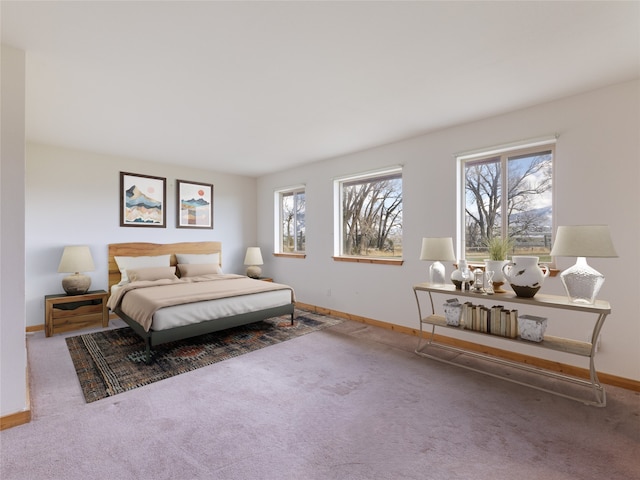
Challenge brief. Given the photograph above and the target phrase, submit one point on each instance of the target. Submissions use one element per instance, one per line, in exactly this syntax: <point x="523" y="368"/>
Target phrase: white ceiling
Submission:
<point x="256" y="87"/>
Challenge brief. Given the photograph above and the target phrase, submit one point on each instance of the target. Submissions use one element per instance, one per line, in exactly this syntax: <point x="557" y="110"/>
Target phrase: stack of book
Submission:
<point x="496" y="320"/>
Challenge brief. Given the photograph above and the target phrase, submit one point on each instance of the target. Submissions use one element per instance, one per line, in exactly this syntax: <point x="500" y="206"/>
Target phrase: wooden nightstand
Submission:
<point x="63" y="312"/>
<point x="266" y="279"/>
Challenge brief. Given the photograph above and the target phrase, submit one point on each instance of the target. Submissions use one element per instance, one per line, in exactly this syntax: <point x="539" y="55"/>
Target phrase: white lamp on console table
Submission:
<point x="253" y="258"/>
<point x="437" y="250"/>
<point x="582" y="282"/>
<point x="76" y="259"/>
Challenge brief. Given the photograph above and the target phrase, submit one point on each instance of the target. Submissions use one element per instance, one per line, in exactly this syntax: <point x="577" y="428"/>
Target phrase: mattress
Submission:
<point x="191" y="313"/>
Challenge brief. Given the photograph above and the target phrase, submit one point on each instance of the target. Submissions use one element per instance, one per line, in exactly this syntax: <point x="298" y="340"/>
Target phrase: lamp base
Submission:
<point x="76" y="284"/>
<point x="254" y="271"/>
<point x="582" y="282"/>
<point x="436" y="273"/>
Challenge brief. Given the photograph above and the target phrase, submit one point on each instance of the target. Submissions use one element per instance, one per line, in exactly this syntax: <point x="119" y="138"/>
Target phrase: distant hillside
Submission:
<point x="200" y="202"/>
<point x="135" y="198"/>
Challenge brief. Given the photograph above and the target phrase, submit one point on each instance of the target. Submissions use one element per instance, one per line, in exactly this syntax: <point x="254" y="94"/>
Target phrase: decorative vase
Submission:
<point x="498" y="277"/>
<point x="461" y="275"/>
<point x="453" y="312"/>
<point x="524" y="275"/>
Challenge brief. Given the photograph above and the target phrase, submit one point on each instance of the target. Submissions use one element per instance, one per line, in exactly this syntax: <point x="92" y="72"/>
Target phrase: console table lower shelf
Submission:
<point x="427" y="343"/>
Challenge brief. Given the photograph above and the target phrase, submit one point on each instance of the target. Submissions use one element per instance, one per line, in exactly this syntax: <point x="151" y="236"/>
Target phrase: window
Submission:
<point x="524" y="175"/>
<point x="369" y="215"/>
<point x="291" y="220"/>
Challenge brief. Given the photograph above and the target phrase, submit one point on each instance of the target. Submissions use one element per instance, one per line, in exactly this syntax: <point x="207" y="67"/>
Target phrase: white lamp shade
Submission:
<point x="253" y="256"/>
<point x="75" y="259"/>
<point x="583" y="241"/>
<point x="437" y="249"/>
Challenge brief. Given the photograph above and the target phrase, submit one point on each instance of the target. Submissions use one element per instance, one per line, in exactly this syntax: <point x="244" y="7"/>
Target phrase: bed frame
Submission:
<point x="153" y="337"/>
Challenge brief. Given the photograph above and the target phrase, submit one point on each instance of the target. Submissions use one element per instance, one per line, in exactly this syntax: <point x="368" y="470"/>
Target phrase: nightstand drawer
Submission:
<point x="63" y="310"/>
<point x="75" y="322"/>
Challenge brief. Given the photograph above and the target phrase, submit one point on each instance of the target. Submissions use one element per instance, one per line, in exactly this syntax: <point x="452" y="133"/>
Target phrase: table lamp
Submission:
<point x="437" y="250"/>
<point x="582" y="282"/>
<point x="76" y="259"/>
<point x="253" y="258"/>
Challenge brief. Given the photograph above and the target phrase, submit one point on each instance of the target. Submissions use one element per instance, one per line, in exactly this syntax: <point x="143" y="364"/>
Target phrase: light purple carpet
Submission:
<point x="348" y="402"/>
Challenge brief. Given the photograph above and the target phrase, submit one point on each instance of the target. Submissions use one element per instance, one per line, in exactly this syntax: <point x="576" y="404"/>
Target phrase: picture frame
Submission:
<point x="194" y="204"/>
<point x="143" y="200"/>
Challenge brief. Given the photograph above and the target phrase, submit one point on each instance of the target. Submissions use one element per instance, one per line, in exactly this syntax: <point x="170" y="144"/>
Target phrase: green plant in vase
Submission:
<point x="499" y="248"/>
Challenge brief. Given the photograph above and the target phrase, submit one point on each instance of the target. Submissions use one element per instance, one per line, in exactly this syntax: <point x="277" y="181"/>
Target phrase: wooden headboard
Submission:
<point x="139" y="249"/>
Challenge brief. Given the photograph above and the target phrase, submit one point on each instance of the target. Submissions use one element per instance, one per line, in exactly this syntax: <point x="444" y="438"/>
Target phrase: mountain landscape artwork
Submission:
<point x="142" y="208"/>
<point x="195" y="205"/>
<point x="142" y="200"/>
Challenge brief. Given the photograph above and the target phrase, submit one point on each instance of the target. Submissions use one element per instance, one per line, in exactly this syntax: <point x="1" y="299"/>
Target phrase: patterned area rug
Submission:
<point x="112" y="361"/>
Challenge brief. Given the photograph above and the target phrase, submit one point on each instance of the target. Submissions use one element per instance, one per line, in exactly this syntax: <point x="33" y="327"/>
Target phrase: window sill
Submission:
<point x="290" y="255"/>
<point x="553" y="272"/>
<point x="379" y="261"/>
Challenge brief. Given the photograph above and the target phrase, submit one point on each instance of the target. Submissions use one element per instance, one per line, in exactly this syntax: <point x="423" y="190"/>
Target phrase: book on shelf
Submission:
<point x="495" y="320"/>
<point x="513" y="329"/>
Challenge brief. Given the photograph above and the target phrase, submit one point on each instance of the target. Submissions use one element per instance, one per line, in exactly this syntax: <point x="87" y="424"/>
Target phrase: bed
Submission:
<point x="139" y="276"/>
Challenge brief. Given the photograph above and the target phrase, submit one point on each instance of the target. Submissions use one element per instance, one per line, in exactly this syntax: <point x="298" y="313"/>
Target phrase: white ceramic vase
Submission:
<point x="496" y="267"/>
<point x="524" y="275"/>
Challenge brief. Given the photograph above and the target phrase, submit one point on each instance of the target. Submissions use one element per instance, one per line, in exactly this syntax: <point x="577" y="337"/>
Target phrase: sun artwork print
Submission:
<point x="195" y="205"/>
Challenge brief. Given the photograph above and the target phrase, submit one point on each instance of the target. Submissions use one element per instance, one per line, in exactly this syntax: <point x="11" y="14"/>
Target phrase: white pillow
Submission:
<point x="190" y="258"/>
<point x="125" y="263"/>
<point x="196" y="269"/>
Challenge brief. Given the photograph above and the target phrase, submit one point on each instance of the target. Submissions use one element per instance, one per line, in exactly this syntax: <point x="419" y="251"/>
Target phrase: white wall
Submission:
<point x="73" y="197"/>
<point x="13" y="353"/>
<point x="597" y="173"/>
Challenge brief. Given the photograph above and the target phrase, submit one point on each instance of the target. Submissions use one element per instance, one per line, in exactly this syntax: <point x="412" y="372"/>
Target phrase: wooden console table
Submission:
<point x="567" y="345"/>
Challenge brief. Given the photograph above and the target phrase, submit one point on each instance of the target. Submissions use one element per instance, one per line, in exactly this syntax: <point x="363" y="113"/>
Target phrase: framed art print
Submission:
<point x="143" y="200"/>
<point x="195" y="204"/>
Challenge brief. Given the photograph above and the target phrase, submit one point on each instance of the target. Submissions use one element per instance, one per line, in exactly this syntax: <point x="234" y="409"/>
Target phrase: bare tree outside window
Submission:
<point x="372" y="216"/>
<point x="527" y="215"/>
<point x="292" y="217"/>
